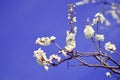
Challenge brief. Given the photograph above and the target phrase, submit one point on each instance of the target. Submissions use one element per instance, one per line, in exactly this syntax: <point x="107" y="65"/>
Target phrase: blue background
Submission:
<point x="23" y="21"/>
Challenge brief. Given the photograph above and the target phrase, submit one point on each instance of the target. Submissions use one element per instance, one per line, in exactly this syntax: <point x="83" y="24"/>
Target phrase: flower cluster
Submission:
<point x="72" y="19"/>
<point x="41" y="58"/>
<point x="45" y="41"/>
<point x="110" y="47"/>
<point x="98" y="18"/>
<point x="89" y="32"/>
<point x="40" y="55"/>
<point x="70" y="40"/>
<point x="71" y="8"/>
<point x="70" y="35"/>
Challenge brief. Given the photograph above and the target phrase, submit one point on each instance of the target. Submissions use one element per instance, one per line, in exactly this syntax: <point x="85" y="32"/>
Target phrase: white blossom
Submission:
<point x="45" y="41"/>
<point x="89" y="31"/>
<point x="74" y="19"/>
<point x="99" y="37"/>
<point x="63" y="52"/>
<point x="69" y="16"/>
<point x="41" y="58"/>
<point x="98" y="18"/>
<point x="110" y="47"/>
<point x="40" y="54"/>
<point x="75" y="30"/>
<point x="69" y="48"/>
<point x="88" y="20"/>
<point x="70" y="35"/>
<point x="46" y="68"/>
<point x="52" y="38"/>
<point x="70" y="9"/>
<point x="56" y="57"/>
<point x="70" y="40"/>
<point x="108" y="74"/>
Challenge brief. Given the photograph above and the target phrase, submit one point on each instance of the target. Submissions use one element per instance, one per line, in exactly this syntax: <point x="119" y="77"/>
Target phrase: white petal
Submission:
<point x="46" y="68"/>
